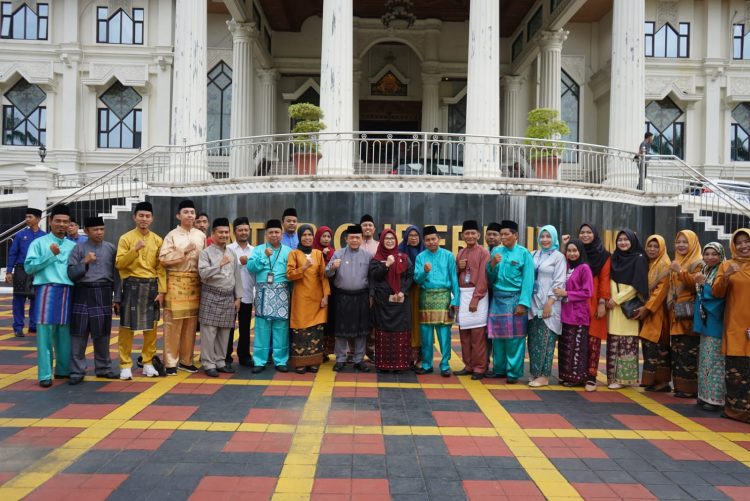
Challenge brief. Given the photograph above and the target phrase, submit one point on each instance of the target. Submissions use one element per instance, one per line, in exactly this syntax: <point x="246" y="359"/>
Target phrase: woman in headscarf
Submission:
<point x="708" y="321"/>
<point x="599" y="260"/>
<point x="572" y="358"/>
<point x="657" y="371"/>
<point x="309" y="308"/>
<point x="324" y="243"/>
<point x="733" y="283"/>
<point x="681" y="303"/>
<point x="412" y="244"/>
<point x="545" y="323"/>
<point x="390" y="279"/>
<point x="628" y="280"/>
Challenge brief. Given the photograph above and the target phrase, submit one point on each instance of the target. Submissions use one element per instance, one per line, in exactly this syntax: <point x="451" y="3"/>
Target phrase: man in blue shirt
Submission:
<point x="289" y="220"/>
<point x="16" y="275"/>
<point x="73" y="232"/>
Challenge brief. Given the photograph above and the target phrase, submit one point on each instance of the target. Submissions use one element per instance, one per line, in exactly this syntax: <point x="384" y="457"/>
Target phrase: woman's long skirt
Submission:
<point x="307" y="346"/>
<point x="622" y="359"/>
<point x="711" y="371"/>
<point x="685" y="363"/>
<point x="737" y="404"/>
<point x="541" y="348"/>
<point x="595" y="352"/>
<point x="394" y="350"/>
<point x="657" y="370"/>
<point x="572" y="357"/>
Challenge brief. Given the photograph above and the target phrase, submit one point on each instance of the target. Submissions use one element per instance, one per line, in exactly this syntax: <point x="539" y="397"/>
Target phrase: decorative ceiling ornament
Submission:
<point x="398" y="14"/>
<point x="125" y="5"/>
<point x="30" y="3"/>
<point x="667" y="12"/>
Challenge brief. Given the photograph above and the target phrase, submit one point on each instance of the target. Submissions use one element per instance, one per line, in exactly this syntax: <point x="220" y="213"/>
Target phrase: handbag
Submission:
<point x="684" y="310"/>
<point x="23" y="283"/>
<point x="630" y="306"/>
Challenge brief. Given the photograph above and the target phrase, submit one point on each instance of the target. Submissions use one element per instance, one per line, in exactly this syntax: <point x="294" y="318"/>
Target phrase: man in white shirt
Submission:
<point x="369" y="242"/>
<point x="242" y="248"/>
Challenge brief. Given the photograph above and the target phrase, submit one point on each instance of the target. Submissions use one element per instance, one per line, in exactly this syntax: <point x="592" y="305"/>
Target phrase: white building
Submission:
<point x="97" y="81"/>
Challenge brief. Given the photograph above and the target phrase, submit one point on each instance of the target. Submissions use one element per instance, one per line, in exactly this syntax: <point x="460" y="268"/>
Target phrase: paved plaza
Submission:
<point x="352" y="436"/>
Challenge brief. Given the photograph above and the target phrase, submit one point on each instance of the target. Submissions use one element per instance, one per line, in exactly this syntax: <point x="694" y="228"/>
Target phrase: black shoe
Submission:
<point x="659" y="389"/>
<point x="477" y="377"/>
<point x="20" y="334"/>
<point x="421" y="371"/>
<point x="108" y="375"/>
<point x="32" y="331"/>
<point x="361" y="367"/>
<point x="212" y="373"/>
<point x="282" y="368"/>
<point x="171" y="371"/>
<point x="139" y="362"/>
<point x="187" y="368"/>
<point x="498" y="376"/>
<point x="228" y="361"/>
<point x="682" y="394"/>
<point x="463" y="372"/>
<point x="74" y="380"/>
<point x="568" y="384"/>
<point x="338" y="366"/>
<point x="258" y="369"/>
<point x="711" y="407"/>
<point x="512" y="380"/>
<point x="246" y="363"/>
<point x="300" y="370"/>
<point x="227" y="369"/>
<point x="313" y="369"/>
<point x="60" y="376"/>
<point x="445" y="373"/>
<point x="45" y="383"/>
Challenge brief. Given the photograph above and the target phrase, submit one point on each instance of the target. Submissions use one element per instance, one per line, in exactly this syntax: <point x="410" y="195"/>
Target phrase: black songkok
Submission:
<point x="510" y="225"/>
<point x="143" y="206"/>
<point x="291" y="211"/>
<point x="59" y="210"/>
<point x="429" y="230"/>
<point x="273" y="223"/>
<point x="354" y="229"/>
<point x="220" y="221"/>
<point x="93" y="222"/>
<point x="470" y="224"/>
<point x="185" y="204"/>
<point x="366" y="219"/>
<point x="240" y="221"/>
<point x="494" y="227"/>
<point x="33" y="212"/>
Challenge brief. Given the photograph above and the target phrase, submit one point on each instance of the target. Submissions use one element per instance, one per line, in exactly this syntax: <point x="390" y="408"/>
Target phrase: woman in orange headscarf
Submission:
<point x="733" y="282"/>
<point x="680" y="302"/>
<point x="654" y="332"/>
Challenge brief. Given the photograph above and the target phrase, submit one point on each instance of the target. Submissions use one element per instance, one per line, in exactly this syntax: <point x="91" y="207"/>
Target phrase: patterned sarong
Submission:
<point x="139" y="310"/>
<point x="573" y="353"/>
<point x="711" y="371"/>
<point x="738" y="388"/>
<point x="502" y="322"/>
<point x="433" y="307"/>
<point x="307" y="346"/>
<point x="217" y="307"/>
<point x="272" y="301"/>
<point x="352" y="313"/>
<point x="183" y="294"/>
<point x="685" y="363"/>
<point x="92" y="310"/>
<point x="52" y="304"/>
<point x="622" y="359"/>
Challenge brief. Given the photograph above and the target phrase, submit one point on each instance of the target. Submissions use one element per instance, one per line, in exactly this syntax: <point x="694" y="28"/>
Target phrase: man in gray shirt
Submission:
<point x="221" y="291"/>
<point x="91" y="267"/>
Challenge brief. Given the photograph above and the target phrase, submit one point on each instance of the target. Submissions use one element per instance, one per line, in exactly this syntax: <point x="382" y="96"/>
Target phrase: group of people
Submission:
<point x="387" y="300"/>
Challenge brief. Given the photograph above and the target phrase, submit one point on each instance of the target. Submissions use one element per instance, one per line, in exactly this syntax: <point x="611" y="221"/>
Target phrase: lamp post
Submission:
<point x="42" y="152"/>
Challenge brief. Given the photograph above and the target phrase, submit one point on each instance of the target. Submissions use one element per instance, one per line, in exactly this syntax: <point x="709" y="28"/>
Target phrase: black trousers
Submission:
<point x="243" y="338"/>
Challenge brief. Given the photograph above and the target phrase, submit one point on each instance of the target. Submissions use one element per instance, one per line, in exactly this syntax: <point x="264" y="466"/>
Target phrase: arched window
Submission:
<point x="220" y="103"/>
<point x="120" y="122"/>
<point x="669" y="134"/>
<point x="25" y="119"/>
<point x="24" y="23"/>
<point x="570" y="105"/>
<point x="740" y="133"/>
<point x="119" y="28"/>
<point x="667" y="41"/>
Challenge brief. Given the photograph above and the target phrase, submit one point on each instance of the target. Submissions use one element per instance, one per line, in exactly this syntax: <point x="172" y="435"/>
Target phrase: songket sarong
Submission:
<point x="393" y="349"/>
<point x="272" y="301"/>
<point x="433" y="307"/>
<point x="657" y="369"/>
<point x="352" y="313"/>
<point x="573" y="356"/>
<point x="183" y="294"/>
<point x="685" y="363"/>
<point x="711" y="371"/>
<point x="595" y="352"/>
<point x="52" y="304"/>
<point x="307" y="346"/>
<point x="139" y="310"/>
<point x="737" y="404"/>
<point x="92" y="310"/>
<point x="622" y="359"/>
<point x="468" y="319"/>
<point x="217" y="307"/>
<point x="502" y="322"/>
<point x="541" y="348"/>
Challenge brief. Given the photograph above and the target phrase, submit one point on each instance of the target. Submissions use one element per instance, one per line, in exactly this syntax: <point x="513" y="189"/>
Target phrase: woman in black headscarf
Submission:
<point x="628" y="281"/>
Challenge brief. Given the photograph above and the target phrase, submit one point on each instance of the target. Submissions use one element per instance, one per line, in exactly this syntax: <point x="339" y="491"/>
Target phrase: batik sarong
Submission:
<point x="394" y="350"/>
<point x="183" y="294"/>
<point x="139" y="310"/>
<point x="502" y="322"/>
<point x="711" y="371"/>
<point x="657" y="370"/>
<point x="595" y="352"/>
<point x="272" y="301"/>
<point x="573" y="354"/>
<point x="541" y="348"/>
<point x="92" y="310"/>
<point x="685" y="363"/>
<point x="433" y="307"/>
<point x="307" y="346"/>
<point x="52" y="304"/>
<point x="737" y="404"/>
<point x="217" y="307"/>
<point x="622" y="359"/>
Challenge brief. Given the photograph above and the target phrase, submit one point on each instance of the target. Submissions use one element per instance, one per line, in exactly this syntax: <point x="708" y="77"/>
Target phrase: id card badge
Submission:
<point x="269" y="278"/>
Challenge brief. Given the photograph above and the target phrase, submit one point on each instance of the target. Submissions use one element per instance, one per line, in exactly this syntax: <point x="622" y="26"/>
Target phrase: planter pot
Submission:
<point x="546" y="167"/>
<point x="306" y="163"/>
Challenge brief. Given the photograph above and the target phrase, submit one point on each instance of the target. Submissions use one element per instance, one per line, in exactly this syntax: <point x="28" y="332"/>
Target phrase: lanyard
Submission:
<point x="270" y="264"/>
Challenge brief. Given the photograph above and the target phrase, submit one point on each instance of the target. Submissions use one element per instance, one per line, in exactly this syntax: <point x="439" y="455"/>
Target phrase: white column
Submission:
<point x="551" y="43"/>
<point x="63" y="133"/>
<point x="268" y="96"/>
<point x="430" y="102"/>
<point x="356" y="82"/>
<point x="189" y="93"/>
<point x="511" y="86"/>
<point x="40" y="182"/>
<point x="336" y="93"/>
<point x="627" y="88"/>
<point x="240" y="154"/>
<point x="713" y="138"/>
<point x="483" y="88"/>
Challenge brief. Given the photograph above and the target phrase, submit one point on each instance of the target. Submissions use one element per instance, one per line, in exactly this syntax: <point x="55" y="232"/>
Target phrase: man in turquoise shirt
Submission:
<point x="268" y="264"/>
<point x="47" y="260"/>
<point x="510" y="274"/>
<point x="435" y="273"/>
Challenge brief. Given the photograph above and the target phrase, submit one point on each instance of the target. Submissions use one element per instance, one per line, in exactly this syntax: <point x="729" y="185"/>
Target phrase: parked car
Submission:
<point x="428" y="167"/>
<point x="739" y="190"/>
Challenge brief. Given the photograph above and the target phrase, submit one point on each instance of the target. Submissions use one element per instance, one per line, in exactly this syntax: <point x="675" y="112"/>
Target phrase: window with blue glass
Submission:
<point x="740" y="133"/>
<point x="669" y="134"/>
<point x="570" y="104"/>
<point x="24" y="119"/>
<point x="740" y="42"/>
<point x="220" y="104"/>
<point x="119" y="124"/>
<point x="24" y="23"/>
<point x="667" y="41"/>
<point x="119" y="28"/>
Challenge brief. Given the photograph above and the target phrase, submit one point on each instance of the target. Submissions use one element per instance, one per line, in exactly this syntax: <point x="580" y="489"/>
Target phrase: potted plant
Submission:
<point x="543" y="133"/>
<point x="305" y="151"/>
